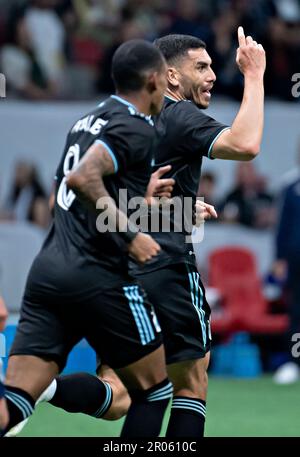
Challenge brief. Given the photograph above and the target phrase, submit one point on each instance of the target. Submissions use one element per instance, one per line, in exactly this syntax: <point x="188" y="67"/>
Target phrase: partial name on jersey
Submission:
<point x="87" y="124"/>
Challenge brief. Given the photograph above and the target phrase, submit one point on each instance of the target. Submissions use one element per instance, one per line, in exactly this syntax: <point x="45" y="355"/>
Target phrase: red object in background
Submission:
<point x="87" y="51"/>
<point x="233" y="271"/>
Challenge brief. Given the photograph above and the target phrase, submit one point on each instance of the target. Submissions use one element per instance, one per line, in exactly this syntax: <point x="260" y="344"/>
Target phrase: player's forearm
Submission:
<point x="118" y="220"/>
<point x="247" y="128"/>
<point x="242" y="141"/>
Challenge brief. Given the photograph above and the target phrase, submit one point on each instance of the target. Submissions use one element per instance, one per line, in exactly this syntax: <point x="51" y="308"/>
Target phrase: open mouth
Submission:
<point x="207" y="93"/>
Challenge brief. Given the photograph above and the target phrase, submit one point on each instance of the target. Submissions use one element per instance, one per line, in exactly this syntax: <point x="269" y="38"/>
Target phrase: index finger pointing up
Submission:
<point x="241" y="36"/>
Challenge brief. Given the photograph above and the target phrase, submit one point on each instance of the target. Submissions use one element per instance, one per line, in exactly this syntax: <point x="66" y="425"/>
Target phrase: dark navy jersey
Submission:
<point x="74" y="241"/>
<point x="186" y="134"/>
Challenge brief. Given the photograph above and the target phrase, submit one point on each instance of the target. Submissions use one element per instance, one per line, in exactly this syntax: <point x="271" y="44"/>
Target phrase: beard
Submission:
<point x="193" y="93"/>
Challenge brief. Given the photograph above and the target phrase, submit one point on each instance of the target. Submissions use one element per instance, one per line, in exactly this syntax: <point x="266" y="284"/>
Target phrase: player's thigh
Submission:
<point x="189" y="377"/>
<point x="30" y="373"/>
<point x="122" y="327"/>
<point x="44" y="337"/>
<point x="178" y="297"/>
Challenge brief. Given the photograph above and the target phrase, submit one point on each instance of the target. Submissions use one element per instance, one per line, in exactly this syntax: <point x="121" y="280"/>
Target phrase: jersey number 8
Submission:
<point x="65" y="197"/>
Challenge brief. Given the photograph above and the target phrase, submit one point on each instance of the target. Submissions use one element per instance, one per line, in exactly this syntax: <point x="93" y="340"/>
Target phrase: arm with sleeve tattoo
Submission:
<point x="86" y="181"/>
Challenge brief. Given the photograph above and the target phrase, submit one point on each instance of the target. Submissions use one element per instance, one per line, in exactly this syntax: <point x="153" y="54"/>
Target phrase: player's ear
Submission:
<point x="173" y="76"/>
<point x="151" y="82"/>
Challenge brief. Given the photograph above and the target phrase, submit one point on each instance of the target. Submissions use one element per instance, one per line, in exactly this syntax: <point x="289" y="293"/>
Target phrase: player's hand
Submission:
<point x="158" y="186"/>
<point x="3" y="314"/>
<point x="250" y="56"/>
<point x="4" y="417"/>
<point x="143" y="248"/>
<point x="203" y="211"/>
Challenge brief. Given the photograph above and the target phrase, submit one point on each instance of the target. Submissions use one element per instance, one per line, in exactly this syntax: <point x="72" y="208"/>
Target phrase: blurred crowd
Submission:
<point x="27" y="199"/>
<point x="249" y="202"/>
<point x="61" y="49"/>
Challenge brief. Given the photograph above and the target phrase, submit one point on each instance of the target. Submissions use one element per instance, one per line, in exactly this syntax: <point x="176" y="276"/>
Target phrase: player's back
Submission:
<point x="75" y="252"/>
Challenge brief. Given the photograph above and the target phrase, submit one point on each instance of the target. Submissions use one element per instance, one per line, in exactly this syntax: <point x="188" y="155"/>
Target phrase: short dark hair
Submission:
<point x="173" y="47"/>
<point x="130" y="63"/>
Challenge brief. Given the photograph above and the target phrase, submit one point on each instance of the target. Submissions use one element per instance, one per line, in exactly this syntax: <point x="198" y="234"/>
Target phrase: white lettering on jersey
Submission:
<point x="86" y="125"/>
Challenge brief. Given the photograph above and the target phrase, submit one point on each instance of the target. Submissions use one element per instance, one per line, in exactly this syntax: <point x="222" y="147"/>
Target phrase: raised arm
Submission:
<point x="242" y="141"/>
<point x="86" y="181"/>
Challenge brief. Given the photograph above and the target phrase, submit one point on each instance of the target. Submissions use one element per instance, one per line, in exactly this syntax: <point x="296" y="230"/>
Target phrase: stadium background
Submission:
<point x="55" y="56"/>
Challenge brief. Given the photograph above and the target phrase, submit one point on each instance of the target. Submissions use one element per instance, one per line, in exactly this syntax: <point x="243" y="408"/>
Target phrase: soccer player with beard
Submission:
<point x="171" y="279"/>
<point x="187" y="135"/>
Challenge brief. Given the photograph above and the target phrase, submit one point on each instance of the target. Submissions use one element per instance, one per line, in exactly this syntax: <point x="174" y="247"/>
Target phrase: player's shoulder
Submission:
<point x="114" y="115"/>
<point x="183" y="111"/>
<point x="122" y="112"/>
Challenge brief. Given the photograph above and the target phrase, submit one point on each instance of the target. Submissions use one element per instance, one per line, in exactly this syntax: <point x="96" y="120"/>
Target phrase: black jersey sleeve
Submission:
<point x="128" y="140"/>
<point x="198" y="130"/>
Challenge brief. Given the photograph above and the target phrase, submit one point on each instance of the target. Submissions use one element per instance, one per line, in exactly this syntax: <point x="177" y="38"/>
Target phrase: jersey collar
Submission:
<point x="132" y="109"/>
<point x="175" y="100"/>
<point x="125" y="102"/>
<point x="171" y="98"/>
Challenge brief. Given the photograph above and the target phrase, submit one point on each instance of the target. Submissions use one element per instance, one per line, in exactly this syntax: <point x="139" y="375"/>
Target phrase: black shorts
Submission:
<point x="178" y="297"/>
<point x="118" y="322"/>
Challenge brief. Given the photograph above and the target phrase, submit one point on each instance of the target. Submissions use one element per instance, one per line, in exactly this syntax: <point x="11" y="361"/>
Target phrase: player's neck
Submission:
<point x="139" y="103"/>
<point x="174" y="95"/>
